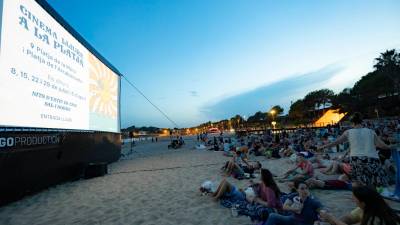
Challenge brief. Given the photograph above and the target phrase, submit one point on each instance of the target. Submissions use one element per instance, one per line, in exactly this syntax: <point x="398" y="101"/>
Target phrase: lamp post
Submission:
<point x="273" y="124"/>
<point x="377" y="113"/>
<point x="272" y="112"/>
<point x="263" y="124"/>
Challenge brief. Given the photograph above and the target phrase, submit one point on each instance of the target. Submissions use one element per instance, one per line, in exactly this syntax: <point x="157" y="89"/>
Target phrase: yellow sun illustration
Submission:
<point x="103" y="89"/>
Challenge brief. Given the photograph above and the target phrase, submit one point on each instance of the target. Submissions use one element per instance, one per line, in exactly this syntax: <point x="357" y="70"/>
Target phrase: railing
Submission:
<point x="278" y="130"/>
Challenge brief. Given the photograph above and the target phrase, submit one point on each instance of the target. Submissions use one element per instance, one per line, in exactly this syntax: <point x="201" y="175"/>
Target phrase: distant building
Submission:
<point x="214" y="130"/>
<point x="331" y="117"/>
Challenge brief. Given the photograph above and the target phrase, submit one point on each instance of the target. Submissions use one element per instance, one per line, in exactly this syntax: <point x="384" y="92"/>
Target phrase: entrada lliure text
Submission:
<point x="46" y="34"/>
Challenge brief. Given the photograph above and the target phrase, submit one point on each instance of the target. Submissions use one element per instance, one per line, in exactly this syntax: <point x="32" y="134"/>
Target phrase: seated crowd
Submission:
<point x="332" y="151"/>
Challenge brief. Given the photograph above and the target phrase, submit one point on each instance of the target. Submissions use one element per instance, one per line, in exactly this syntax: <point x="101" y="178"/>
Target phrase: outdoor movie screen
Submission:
<point x="48" y="79"/>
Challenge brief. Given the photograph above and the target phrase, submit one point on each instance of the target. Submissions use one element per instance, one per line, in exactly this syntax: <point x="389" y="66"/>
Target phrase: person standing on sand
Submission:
<point x="364" y="160"/>
<point x="131" y="136"/>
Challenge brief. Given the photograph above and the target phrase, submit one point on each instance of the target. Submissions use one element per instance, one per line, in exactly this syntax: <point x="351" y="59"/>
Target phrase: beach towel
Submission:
<point x="208" y="186"/>
<point x="200" y="147"/>
<point x="293" y="157"/>
<point x="240" y="175"/>
<point x="228" y="154"/>
<point x="256" y="212"/>
<point x="268" y="153"/>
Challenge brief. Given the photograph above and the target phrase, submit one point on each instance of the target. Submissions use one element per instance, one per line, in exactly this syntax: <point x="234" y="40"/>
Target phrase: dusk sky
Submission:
<point x="201" y="60"/>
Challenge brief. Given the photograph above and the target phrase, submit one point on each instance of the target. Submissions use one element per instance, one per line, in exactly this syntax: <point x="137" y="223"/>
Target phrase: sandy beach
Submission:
<point x="153" y="185"/>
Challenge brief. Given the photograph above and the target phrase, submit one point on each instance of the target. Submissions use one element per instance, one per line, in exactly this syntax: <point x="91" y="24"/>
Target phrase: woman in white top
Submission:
<point x="364" y="160"/>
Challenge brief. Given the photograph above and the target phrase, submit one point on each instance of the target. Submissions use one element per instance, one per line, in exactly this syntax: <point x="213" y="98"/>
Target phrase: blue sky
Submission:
<point x="202" y="60"/>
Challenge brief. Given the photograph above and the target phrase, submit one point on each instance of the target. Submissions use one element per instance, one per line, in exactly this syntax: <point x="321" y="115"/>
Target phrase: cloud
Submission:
<point x="193" y="93"/>
<point x="278" y="93"/>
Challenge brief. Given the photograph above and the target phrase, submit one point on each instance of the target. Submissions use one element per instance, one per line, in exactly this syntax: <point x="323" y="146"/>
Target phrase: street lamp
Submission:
<point x="377" y="113"/>
<point x="272" y="112"/>
<point x="273" y="124"/>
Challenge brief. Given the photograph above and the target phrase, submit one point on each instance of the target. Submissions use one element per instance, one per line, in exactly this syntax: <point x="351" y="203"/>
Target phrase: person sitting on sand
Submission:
<point x="268" y="191"/>
<point x="320" y="160"/>
<point x="216" y="145"/>
<point x="267" y="198"/>
<point x="338" y="167"/>
<point x="256" y="148"/>
<point x="241" y="157"/>
<point x="306" y="170"/>
<point x="231" y="167"/>
<point x="338" y="184"/>
<point x="272" y="151"/>
<point x="252" y="168"/>
<point x="175" y="144"/>
<point x="235" y="162"/>
<point x="286" y="151"/>
<point x="304" y="208"/>
<point x="227" y="190"/>
<point x="265" y="201"/>
<point x="181" y="141"/>
<point x="371" y="210"/>
<point x="227" y="148"/>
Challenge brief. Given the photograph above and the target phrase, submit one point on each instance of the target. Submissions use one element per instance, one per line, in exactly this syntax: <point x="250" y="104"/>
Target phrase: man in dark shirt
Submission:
<point x="304" y="208"/>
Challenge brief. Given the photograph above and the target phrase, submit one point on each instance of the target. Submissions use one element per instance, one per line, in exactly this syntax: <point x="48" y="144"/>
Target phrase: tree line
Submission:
<point x="376" y="94"/>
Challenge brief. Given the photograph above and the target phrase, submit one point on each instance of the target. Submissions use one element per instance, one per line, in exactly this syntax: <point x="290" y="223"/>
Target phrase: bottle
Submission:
<point x="234" y="210"/>
<point x="320" y="220"/>
<point x="297" y="204"/>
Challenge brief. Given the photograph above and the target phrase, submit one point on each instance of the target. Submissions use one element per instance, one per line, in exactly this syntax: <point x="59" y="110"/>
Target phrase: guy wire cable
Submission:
<point x="164" y="114"/>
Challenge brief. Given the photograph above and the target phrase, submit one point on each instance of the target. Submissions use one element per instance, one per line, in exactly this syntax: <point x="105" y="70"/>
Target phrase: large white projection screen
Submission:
<point x="48" y="79"/>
